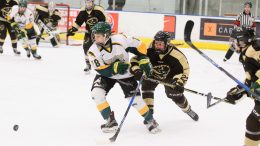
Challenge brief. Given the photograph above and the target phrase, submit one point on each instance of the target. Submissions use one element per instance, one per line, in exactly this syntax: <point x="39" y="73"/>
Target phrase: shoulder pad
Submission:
<point x="99" y="8"/>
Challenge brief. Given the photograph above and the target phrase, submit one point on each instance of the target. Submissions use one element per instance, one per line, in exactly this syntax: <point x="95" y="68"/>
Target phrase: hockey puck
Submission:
<point x="15" y="128"/>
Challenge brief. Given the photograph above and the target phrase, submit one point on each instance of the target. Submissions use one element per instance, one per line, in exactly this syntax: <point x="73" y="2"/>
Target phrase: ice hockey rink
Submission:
<point x="50" y="100"/>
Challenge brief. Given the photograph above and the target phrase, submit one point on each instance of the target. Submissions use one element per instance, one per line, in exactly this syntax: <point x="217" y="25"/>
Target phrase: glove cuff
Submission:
<point x="144" y="61"/>
<point x="115" y="67"/>
<point x="134" y="68"/>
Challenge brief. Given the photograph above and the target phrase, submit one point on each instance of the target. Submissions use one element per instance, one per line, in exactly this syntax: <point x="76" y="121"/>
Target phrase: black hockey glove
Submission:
<point x="234" y="94"/>
<point x="178" y="84"/>
<point x="71" y="31"/>
<point x="137" y="72"/>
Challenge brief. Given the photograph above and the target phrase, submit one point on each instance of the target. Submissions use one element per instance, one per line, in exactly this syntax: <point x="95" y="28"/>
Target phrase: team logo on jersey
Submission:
<point x="161" y="71"/>
<point x="92" y="21"/>
<point x="6" y="11"/>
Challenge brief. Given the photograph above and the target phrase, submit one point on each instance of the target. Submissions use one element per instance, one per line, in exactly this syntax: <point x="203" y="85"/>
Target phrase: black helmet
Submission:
<point x="162" y="36"/>
<point x="245" y="36"/>
<point x="248" y="3"/>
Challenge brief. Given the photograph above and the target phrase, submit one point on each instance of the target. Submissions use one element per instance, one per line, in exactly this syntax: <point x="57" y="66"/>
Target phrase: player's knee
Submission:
<point x="177" y="97"/>
<point x="98" y="95"/>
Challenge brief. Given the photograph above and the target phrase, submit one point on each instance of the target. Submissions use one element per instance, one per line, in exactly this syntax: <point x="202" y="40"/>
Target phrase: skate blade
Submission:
<point x="110" y="130"/>
<point x="155" y="131"/>
<point x="103" y="142"/>
<point x="87" y="72"/>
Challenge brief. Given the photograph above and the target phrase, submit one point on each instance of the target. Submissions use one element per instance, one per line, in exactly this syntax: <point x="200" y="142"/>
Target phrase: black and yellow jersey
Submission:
<point x="5" y="7"/>
<point x="90" y="18"/>
<point x="252" y="63"/>
<point x="172" y="64"/>
<point x="43" y="14"/>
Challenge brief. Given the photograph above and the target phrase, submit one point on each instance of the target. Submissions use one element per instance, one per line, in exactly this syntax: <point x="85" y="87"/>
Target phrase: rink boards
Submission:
<point x="209" y="32"/>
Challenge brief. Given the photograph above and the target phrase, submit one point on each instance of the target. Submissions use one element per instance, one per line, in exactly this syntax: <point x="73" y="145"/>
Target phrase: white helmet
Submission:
<point x="51" y="6"/>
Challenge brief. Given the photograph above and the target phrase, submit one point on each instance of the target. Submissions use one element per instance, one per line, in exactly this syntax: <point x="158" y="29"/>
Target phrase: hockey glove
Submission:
<point x="15" y="26"/>
<point x="137" y="72"/>
<point x="145" y="65"/>
<point x="120" y="67"/>
<point x="71" y="31"/>
<point x="22" y="34"/>
<point x="178" y="84"/>
<point x="234" y="94"/>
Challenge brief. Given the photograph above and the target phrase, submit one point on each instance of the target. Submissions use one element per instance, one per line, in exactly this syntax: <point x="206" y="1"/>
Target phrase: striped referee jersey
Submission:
<point x="245" y="20"/>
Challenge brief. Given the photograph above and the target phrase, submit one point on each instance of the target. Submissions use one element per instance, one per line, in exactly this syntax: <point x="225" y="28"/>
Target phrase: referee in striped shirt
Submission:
<point x="245" y="20"/>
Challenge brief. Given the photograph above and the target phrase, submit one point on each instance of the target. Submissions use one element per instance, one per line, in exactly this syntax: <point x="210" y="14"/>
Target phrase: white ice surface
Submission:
<point x="50" y="101"/>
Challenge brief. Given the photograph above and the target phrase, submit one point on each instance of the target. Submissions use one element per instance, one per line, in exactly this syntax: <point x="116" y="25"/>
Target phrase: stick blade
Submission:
<point x="112" y="139"/>
<point x="187" y="30"/>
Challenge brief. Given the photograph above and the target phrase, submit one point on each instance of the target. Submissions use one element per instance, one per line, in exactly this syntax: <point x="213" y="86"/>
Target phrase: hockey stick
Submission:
<point x="209" y="95"/>
<point x="65" y="32"/>
<point x="179" y="44"/>
<point x="187" y="34"/>
<point x="113" y="138"/>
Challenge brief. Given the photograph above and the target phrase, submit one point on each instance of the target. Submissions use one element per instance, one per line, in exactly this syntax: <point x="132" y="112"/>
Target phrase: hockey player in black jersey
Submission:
<point x="241" y="41"/>
<point x="91" y="14"/>
<point x="169" y="65"/>
<point x="244" y="21"/>
<point x="5" y="7"/>
<point x="244" y="41"/>
<point x="252" y="70"/>
<point x="48" y="16"/>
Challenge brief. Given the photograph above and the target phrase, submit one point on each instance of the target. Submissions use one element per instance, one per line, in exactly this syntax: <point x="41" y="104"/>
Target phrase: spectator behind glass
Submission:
<point x="119" y="4"/>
